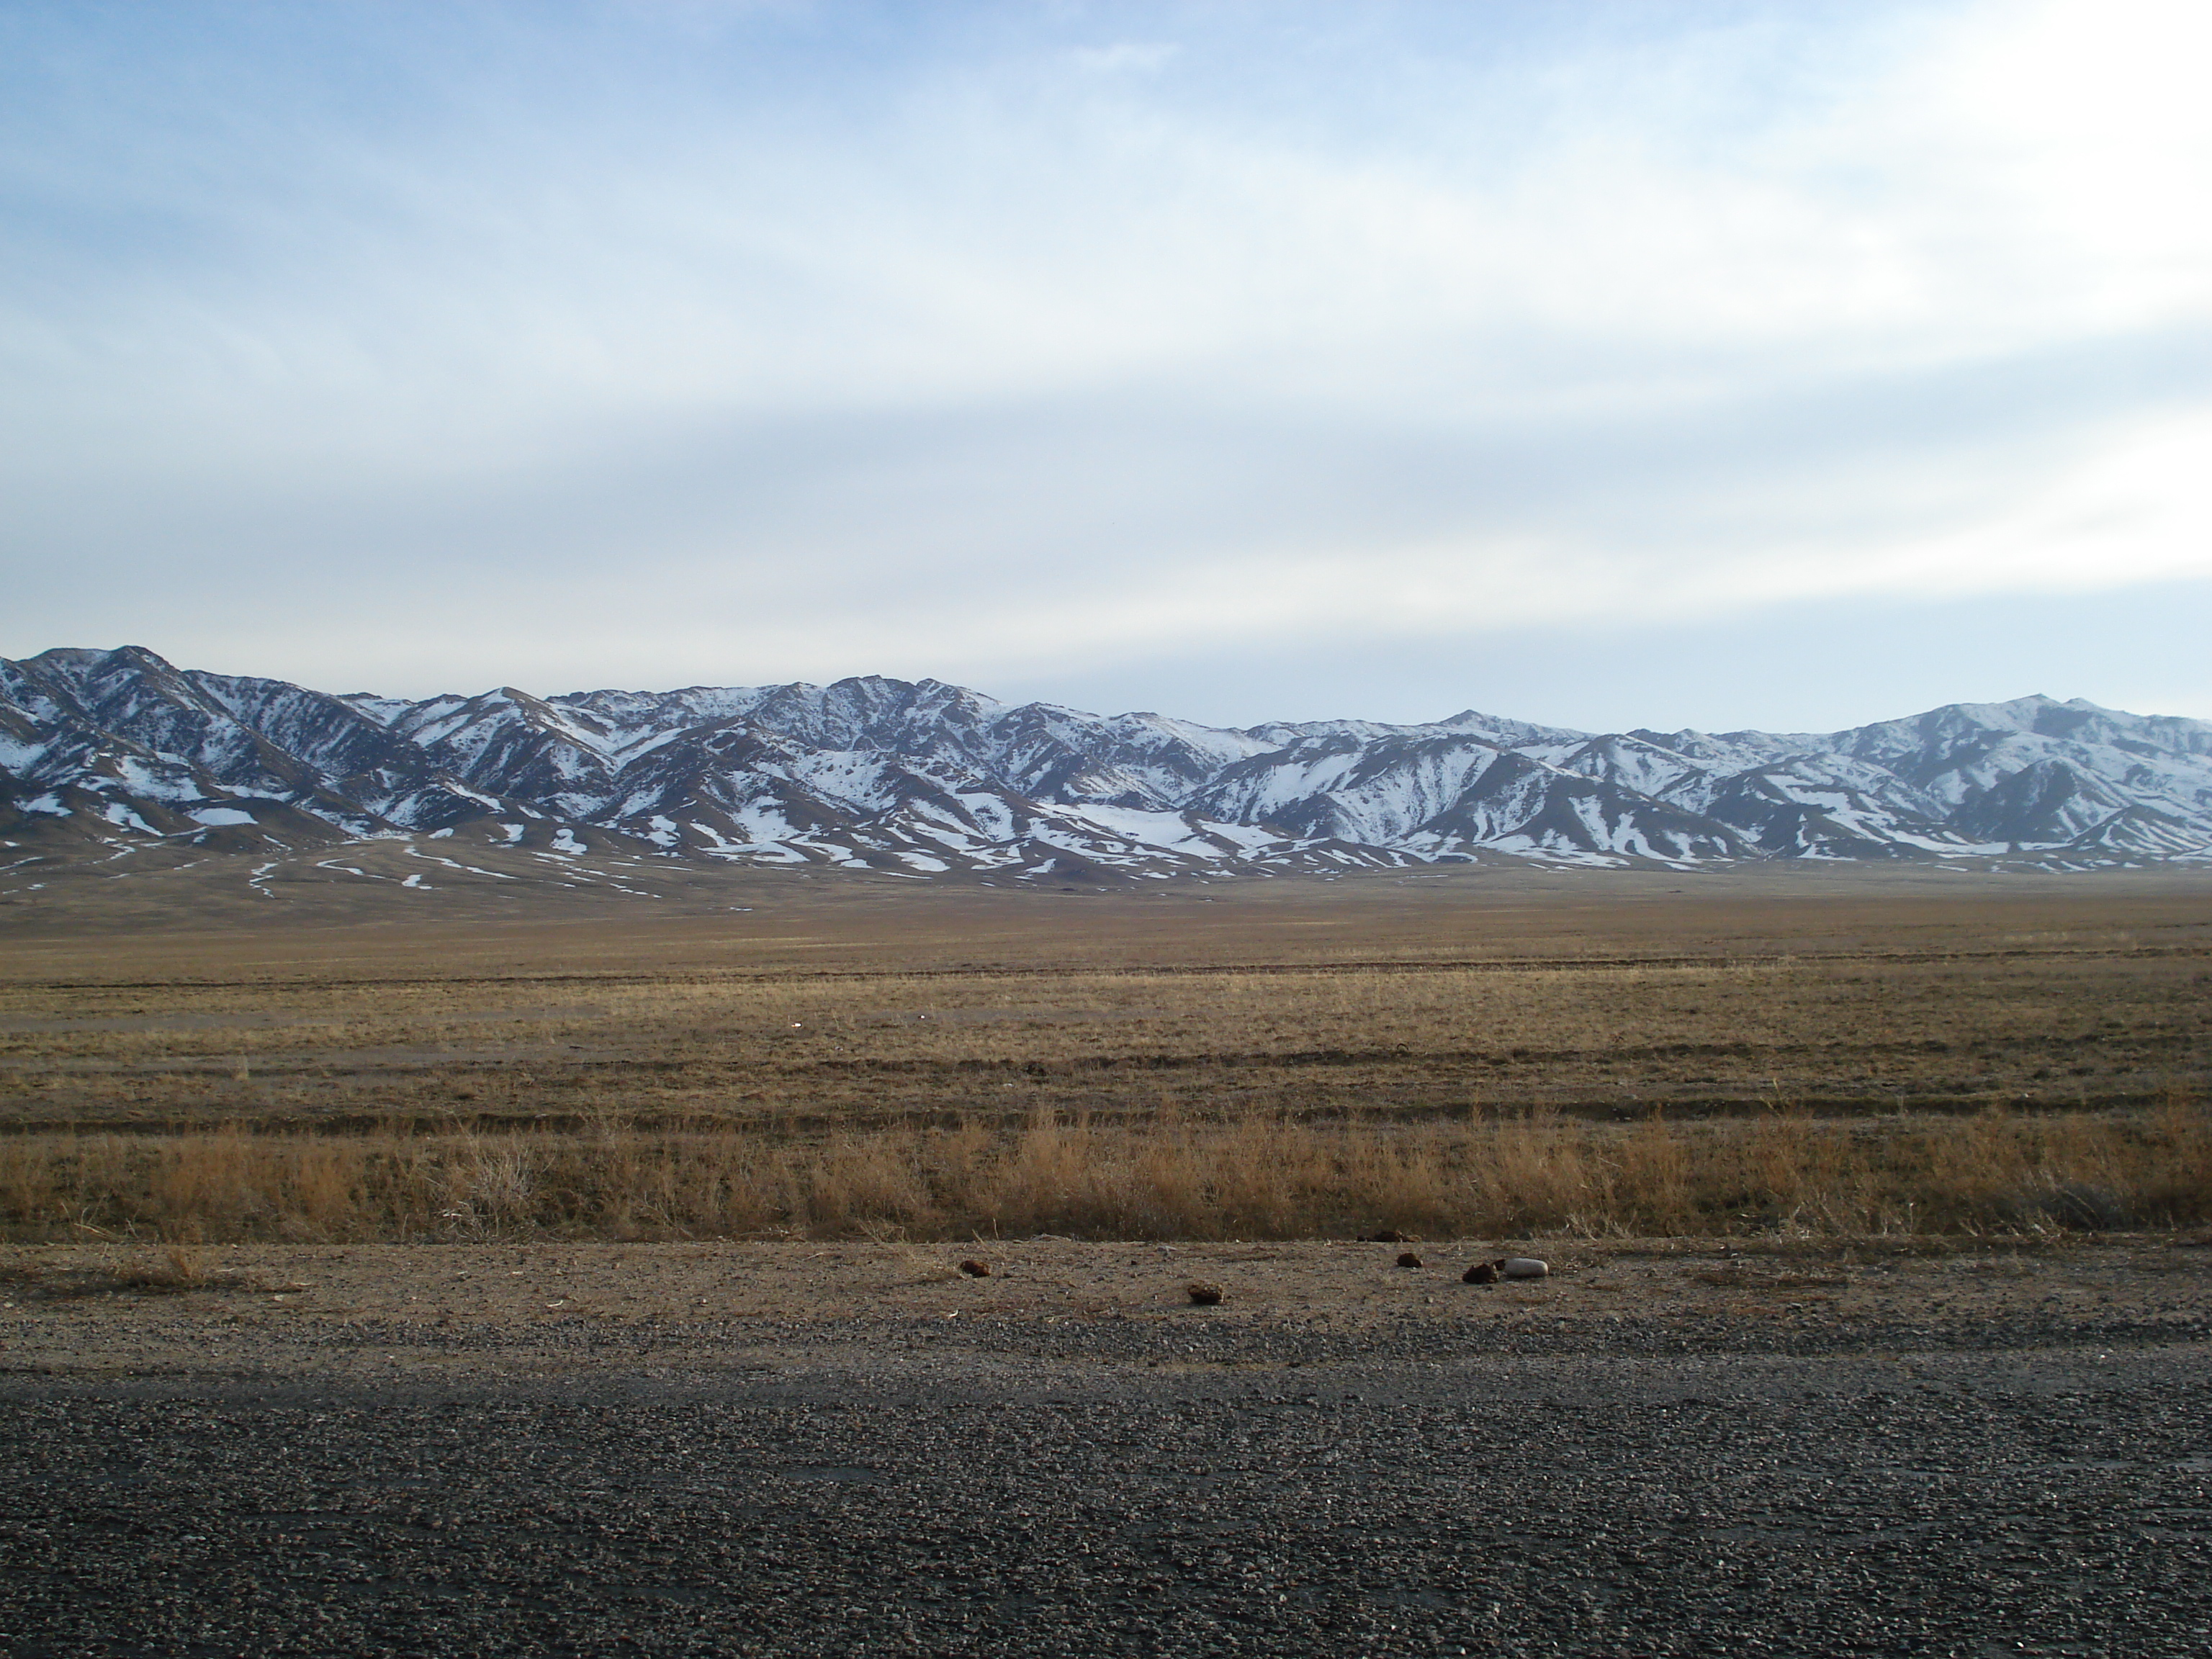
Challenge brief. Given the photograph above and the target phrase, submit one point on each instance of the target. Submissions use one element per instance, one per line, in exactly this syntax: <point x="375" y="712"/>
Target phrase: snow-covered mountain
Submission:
<point x="926" y="778"/>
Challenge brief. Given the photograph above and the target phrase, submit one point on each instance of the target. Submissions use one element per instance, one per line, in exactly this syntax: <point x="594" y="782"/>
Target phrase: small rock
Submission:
<point x="976" y="1269"/>
<point x="1407" y="1259"/>
<point x="1524" y="1266"/>
<point x="1483" y="1273"/>
<point x="1205" y="1296"/>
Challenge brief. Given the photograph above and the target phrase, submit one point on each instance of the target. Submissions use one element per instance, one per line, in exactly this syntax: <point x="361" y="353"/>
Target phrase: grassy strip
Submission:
<point x="1788" y="1173"/>
<point x="1863" y="1034"/>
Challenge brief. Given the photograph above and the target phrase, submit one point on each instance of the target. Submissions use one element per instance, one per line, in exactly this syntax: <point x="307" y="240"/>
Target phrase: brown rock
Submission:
<point x="1205" y="1296"/>
<point x="1483" y="1273"/>
<point x="976" y="1269"/>
<point x="1407" y="1259"/>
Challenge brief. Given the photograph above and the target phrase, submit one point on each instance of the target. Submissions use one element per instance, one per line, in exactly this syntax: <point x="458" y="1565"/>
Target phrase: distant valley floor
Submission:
<point x="755" y="997"/>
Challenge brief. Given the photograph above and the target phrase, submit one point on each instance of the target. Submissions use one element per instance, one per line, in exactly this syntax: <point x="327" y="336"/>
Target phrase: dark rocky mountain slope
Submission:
<point x="926" y="778"/>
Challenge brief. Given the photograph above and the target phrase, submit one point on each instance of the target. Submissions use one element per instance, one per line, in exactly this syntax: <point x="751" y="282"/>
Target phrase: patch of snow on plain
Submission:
<point x="451" y="864"/>
<point x="219" y="817"/>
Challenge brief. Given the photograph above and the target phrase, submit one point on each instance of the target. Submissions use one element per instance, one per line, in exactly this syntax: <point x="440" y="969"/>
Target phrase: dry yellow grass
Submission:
<point x="2059" y="1027"/>
<point x="1784" y="1172"/>
<point x="1842" y="1052"/>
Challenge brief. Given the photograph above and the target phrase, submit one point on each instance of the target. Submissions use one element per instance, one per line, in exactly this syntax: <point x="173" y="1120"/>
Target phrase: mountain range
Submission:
<point x="927" y="779"/>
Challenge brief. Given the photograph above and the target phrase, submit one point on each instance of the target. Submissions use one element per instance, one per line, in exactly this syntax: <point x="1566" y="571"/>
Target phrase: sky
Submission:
<point x="1599" y="362"/>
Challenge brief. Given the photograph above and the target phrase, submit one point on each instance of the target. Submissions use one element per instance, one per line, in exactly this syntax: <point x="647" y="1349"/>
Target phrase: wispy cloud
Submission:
<point x="583" y="343"/>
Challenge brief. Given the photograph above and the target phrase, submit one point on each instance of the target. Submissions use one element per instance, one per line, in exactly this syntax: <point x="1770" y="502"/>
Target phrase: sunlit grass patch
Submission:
<point x="1255" y="1176"/>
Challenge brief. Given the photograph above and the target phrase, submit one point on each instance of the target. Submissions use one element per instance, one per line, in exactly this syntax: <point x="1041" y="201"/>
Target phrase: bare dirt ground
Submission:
<point x="369" y="1311"/>
<point x="1665" y="1448"/>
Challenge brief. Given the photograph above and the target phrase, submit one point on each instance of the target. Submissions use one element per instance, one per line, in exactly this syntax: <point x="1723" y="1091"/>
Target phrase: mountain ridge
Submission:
<point x="926" y="778"/>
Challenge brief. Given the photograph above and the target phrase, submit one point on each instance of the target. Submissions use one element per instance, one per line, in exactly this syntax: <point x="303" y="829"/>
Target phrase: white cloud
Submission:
<point x="1034" y="347"/>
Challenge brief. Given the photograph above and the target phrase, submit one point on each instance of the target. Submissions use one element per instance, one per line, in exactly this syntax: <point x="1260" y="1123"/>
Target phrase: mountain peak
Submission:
<point x="925" y="777"/>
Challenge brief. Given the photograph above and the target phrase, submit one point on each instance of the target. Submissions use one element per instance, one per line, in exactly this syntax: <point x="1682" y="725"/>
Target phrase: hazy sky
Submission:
<point x="1597" y="362"/>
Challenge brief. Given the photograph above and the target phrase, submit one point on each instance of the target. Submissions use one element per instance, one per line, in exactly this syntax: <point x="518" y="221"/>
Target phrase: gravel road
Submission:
<point x="876" y="1477"/>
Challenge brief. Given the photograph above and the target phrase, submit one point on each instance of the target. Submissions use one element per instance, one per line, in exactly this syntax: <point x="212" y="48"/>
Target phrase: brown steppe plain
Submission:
<point x="1807" y="1052"/>
<point x="567" y="1256"/>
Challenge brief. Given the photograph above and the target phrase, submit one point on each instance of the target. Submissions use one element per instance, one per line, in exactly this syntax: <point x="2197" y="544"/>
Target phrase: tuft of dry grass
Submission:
<point x="155" y="1270"/>
<point x="177" y="1267"/>
<point x="1780" y="1175"/>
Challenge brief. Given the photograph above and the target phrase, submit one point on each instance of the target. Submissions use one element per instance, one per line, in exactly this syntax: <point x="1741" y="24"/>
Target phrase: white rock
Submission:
<point x="1525" y="1266"/>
